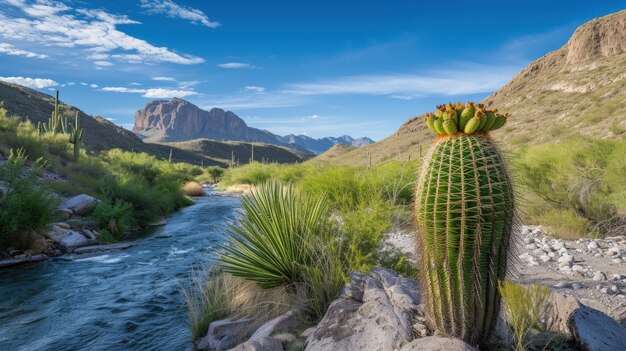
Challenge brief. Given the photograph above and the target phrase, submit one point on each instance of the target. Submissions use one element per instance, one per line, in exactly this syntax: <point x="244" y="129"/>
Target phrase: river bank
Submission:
<point x="122" y="299"/>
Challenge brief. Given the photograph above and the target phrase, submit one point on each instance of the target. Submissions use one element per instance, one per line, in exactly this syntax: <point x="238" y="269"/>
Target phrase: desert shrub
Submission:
<point x="193" y="189"/>
<point x="578" y="176"/>
<point x="269" y="244"/>
<point x="114" y="218"/>
<point x="565" y="223"/>
<point x="215" y="172"/>
<point x="524" y="306"/>
<point x="25" y="205"/>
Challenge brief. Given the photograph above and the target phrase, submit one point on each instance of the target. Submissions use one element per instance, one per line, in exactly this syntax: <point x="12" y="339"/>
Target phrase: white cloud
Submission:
<point x="235" y="65"/>
<point x="83" y="83"/>
<point x="69" y="84"/>
<point x="37" y="83"/>
<point x="173" y="10"/>
<point x="254" y="89"/>
<point x="188" y="84"/>
<point x="52" y="23"/>
<point x="103" y="63"/>
<point x="134" y="83"/>
<point x="403" y="97"/>
<point x="166" y="79"/>
<point x="471" y="79"/>
<point x="153" y="93"/>
<point x="93" y="85"/>
<point x="9" y="49"/>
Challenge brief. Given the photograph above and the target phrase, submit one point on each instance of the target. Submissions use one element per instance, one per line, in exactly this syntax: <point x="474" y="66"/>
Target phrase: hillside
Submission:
<point x="577" y="89"/>
<point x="101" y="134"/>
<point x="222" y="151"/>
<point x="179" y="120"/>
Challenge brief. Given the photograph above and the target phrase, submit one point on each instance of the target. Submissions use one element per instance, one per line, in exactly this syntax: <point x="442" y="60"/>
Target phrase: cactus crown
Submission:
<point x="459" y="119"/>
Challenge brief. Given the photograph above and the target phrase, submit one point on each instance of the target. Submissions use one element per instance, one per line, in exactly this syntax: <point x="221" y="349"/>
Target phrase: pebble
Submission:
<point x="576" y="286"/>
<point x="599" y="276"/>
<point x="597" y="255"/>
<point x="617" y="260"/>
<point x="614" y="289"/>
<point x="578" y="268"/>
<point x="605" y="291"/>
<point x="528" y="241"/>
<point x="562" y="285"/>
<point x="593" y="245"/>
<point x="531" y="246"/>
<point x="545" y="258"/>
<point x="546" y="248"/>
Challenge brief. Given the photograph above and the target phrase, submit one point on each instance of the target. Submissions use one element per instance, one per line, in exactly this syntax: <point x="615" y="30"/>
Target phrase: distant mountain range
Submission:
<point x="101" y="134"/>
<point x="179" y="120"/>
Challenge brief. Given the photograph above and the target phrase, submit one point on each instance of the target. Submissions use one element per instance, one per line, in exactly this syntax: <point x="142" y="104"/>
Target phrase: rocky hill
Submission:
<point x="101" y="134"/>
<point x="577" y="89"/>
<point x="180" y="120"/>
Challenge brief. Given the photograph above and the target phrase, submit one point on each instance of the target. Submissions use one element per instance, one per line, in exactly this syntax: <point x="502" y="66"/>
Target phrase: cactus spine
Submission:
<point x="76" y="136"/>
<point x="465" y="216"/>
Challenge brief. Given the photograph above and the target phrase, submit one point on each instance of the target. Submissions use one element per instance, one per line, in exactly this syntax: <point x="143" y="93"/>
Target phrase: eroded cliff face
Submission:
<point x="601" y="37"/>
<point x="178" y="120"/>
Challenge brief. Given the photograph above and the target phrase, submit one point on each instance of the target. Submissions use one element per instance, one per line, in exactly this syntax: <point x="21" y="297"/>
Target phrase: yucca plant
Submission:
<point x="465" y="216"/>
<point x="269" y="243"/>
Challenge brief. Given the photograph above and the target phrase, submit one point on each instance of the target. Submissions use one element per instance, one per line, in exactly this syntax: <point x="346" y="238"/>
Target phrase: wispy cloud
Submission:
<point x="471" y="79"/>
<point x="173" y="10"/>
<point x="403" y="97"/>
<point x="103" y="63"/>
<point x="9" y="49"/>
<point x="53" y="23"/>
<point x="152" y="93"/>
<point x="235" y="65"/>
<point x="36" y="83"/>
<point x="254" y="89"/>
<point x="165" y="79"/>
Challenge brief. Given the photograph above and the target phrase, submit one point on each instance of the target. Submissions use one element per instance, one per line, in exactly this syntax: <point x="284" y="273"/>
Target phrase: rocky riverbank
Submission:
<point x="75" y="234"/>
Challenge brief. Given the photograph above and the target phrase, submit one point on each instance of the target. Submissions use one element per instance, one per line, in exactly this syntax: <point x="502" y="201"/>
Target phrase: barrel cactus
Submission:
<point x="465" y="215"/>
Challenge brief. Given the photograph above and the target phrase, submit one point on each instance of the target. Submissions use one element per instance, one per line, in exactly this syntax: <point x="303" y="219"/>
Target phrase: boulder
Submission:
<point x="377" y="314"/>
<point x="23" y="260"/>
<point x="222" y="334"/>
<point x="595" y="331"/>
<point x="79" y="205"/>
<point x="437" y="343"/>
<point x="558" y="312"/>
<point x="281" y="322"/>
<point x="75" y="239"/>
<point x="260" y="344"/>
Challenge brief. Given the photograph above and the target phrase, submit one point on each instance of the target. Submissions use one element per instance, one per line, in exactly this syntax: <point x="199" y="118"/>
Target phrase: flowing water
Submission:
<point x="125" y="300"/>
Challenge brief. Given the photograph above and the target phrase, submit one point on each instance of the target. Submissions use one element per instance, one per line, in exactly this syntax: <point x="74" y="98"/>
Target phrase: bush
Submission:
<point x="524" y="306"/>
<point x="114" y="218"/>
<point x="579" y="179"/>
<point x="215" y="172"/>
<point x="25" y="205"/>
<point x="193" y="189"/>
<point x="270" y="243"/>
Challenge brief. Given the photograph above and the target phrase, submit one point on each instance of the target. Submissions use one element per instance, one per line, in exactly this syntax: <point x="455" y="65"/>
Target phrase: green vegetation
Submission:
<point x="524" y="306"/>
<point x="270" y="241"/>
<point x="465" y="213"/>
<point x="25" y="206"/>
<point x="575" y="187"/>
<point x="136" y="188"/>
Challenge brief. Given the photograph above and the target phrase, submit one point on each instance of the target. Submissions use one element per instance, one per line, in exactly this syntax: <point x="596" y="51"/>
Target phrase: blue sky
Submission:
<point x="321" y="68"/>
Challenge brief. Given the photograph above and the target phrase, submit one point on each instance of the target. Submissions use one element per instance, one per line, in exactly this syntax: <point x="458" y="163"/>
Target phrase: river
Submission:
<point x="125" y="300"/>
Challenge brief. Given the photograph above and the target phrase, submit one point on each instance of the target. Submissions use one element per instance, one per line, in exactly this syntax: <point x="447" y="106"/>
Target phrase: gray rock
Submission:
<point x="100" y="248"/>
<point x="437" y="343"/>
<point x="261" y="344"/>
<point x="576" y="286"/>
<point x="595" y="331"/>
<point x="593" y="245"/>
<point x="80" y="205"/>
<point x="558" y="312"/>
<point x="382" y="320"/>
<point x="11" y="262"/>
<point x="75" y="239"/>
<point x="599" y="276"/>
<point x="280" y="322"/>
<point x="222" y="334"/>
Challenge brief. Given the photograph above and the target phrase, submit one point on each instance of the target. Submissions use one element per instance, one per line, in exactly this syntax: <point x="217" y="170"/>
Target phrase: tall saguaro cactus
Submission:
<point x="76" y="136"/>
<point x="57" y="123"/>
<point x="465" y="216"/>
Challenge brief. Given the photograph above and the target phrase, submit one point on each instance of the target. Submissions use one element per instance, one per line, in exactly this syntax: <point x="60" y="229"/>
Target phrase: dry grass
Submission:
<point x="240" y="188"/>
<point x="218" y="295"/>
<point x="193" y="189"/>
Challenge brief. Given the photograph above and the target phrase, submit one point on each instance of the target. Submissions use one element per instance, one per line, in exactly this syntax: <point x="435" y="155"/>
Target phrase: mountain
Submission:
<point x="180" y="120"/>
<point x="101" y="134"/>
<point x="318" y="146"/>
<point x="577" y="89"/>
